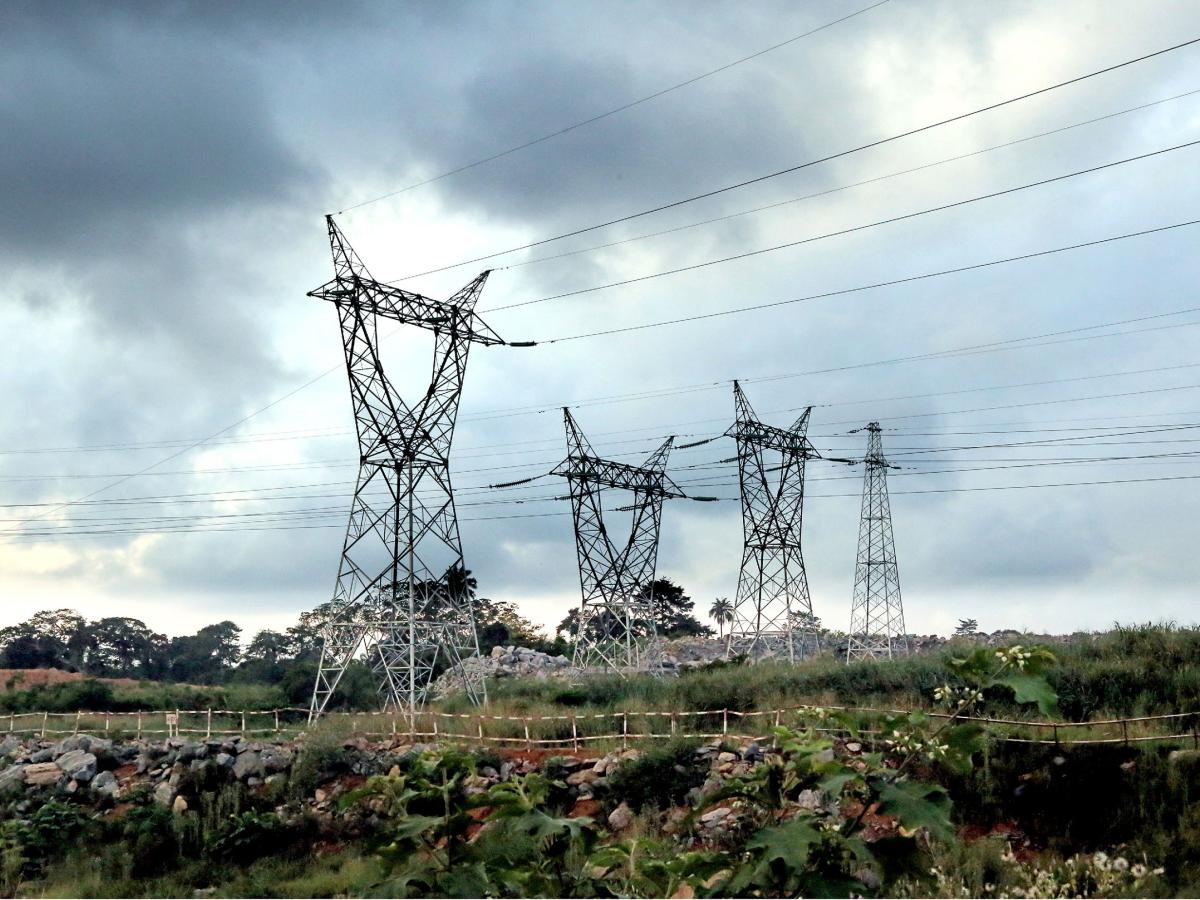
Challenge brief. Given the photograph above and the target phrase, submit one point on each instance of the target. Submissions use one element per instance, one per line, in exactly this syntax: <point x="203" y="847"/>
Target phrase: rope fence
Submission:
<point x="574" y="731"/>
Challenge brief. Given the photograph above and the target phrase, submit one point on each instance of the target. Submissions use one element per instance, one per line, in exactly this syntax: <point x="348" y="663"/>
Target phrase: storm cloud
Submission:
<point x="166" y="169"/>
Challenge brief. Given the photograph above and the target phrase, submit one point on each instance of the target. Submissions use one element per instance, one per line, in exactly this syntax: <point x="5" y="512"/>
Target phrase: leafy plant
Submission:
<point x="660" y="777"/>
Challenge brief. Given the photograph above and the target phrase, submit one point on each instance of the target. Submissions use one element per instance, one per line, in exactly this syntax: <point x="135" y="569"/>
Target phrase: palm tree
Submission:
<point x="722" y="613"/>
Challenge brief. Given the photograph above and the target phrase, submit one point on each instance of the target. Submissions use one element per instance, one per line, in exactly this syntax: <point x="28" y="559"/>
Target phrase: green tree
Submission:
<point x="51" y="638"/>
<point x="721" y="612"/>
<point x="208" y="655"/>
<point x="268" y="647"/>
<point x="500" y="625"/>
<point x="672" y="610"/>
<point x="304" y="638"/>
<point x="967" y="627"/>
<point x="125" y="647"/>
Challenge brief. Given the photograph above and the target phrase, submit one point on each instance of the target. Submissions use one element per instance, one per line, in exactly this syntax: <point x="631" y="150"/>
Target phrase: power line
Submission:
<point x="834" y="190"/>
<point x="506" y="412"/>
<point x="34" y="537"/>
<point x="842" y="231"/>
<point x="796" y="168"/>
<point x="612" y="112"/>
<point x="498" y="449"/>
<point x="867" y="287"/>
<point x="948" y="353"/>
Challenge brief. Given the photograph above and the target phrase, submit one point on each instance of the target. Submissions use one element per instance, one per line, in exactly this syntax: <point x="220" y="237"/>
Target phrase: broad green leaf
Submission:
<point x="917" y="805"/>
<point x="1030" y="688"/>
<point x="413" y="826"/>
<point x="834" y="783"/>
<point x="963" y="741"/>
<point x="788" y="843"/>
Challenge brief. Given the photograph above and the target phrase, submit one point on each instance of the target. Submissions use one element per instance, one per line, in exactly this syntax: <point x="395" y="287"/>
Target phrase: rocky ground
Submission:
<point x="680" y="654"/>
<point x="110" y="775"/>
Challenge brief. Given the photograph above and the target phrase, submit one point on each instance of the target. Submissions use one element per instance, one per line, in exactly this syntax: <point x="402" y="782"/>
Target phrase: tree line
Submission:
<point x="125" y="647"/>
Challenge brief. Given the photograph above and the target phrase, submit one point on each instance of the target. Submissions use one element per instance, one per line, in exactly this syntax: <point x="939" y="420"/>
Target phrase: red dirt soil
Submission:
<point x="27" y="678"/>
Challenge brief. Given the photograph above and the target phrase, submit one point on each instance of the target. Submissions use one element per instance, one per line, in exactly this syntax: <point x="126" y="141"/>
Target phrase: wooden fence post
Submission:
<point x="479" y="722"/>
<point x="528" y="742"/>
<point x="672" y="724"/>
<point x="277" y="721"/>
<point x="243" y="721"/>
<point x="725" y="721"/>
<point x="208" y="724"/>
<point x="574" y="733"/>
<point x="624" y="731"/>
<point x="45" y="721"/>
<point x="78" y="713"/>
<point x="139" y="725"/>
<point x="1125" y="730"/>
<point x="107" y="717"/>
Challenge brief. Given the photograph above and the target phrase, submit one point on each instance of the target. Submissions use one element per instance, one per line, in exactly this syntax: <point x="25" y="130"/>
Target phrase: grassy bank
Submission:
<point x="1129" y="671"/>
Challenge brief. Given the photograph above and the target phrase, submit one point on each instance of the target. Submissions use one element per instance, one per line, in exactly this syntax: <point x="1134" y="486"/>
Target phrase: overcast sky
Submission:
<point x="166" y="167"/>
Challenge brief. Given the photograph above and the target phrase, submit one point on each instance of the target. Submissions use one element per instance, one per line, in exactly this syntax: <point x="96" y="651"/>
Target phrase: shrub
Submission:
<point x="660" y="777"/>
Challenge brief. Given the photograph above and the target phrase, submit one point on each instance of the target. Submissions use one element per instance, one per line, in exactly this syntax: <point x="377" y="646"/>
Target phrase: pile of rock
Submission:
<point x="107" y="774"/>
<point x="108" y="769"/>
<point x="692" y="653"/>
<point x="504" y="662"/>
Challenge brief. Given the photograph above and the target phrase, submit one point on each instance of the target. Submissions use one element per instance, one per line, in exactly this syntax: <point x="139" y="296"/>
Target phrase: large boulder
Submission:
<point x="249" y="764"/>
<point x="74" y="742"/>
<point x="79" y="764"/>
<point x="164" y="794"/>
<point x="192" y="752"/>
<point x="276" y="759"/>
<point x="42" y="774"/>
<point x="105" y="785"/>
<point x="12" y="781"/>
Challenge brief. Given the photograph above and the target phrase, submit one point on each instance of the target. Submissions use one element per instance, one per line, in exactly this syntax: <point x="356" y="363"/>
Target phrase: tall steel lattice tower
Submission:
<point x="616" y="617"/>
<point x="772" y="614"/>
<point x="877" y="614"/>
<point x="402" y="597"/>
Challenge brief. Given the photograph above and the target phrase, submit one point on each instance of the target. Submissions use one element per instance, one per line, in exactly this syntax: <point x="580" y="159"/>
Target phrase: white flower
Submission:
<point x="1137" y="870"/>
<point x="1120" y="864"/>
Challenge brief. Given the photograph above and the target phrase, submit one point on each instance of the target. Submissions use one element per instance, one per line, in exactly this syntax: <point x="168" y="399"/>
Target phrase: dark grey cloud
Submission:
<point x="137" y="132"/>
<point x="166" y="170"/>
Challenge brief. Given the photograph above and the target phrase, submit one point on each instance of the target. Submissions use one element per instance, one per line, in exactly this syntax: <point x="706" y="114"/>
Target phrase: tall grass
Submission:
<point x="1129" y="671"/>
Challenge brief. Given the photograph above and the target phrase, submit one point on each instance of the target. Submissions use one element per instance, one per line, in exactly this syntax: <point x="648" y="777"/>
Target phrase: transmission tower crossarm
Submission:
<point x="352" y="284"/>
<point x="583" y="463"/>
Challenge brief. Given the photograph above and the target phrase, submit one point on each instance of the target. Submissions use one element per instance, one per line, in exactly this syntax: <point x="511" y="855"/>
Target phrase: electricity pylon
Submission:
<point x="616" y="616"/>
<point x="877" y="613"/>
<point x="402" y="595"/>
<point x="772" y="613"/>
